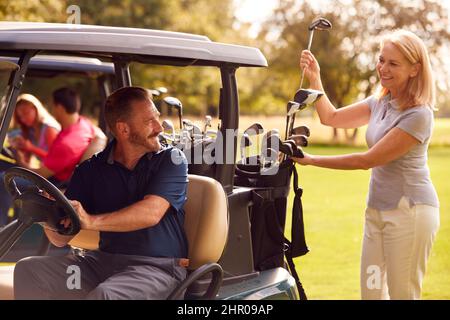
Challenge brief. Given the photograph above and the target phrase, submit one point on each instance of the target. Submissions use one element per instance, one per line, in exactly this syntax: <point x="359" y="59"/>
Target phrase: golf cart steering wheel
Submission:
<point x="37" y="208"/>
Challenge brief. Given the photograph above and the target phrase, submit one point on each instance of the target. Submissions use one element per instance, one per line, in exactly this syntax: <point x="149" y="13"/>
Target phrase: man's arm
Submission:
<point x="142" y="214"/>
<point x="55" y="238"/>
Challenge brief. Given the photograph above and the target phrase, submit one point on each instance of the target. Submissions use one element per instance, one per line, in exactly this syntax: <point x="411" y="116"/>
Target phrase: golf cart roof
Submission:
<point x="137" y="44"/>
<point x="49" y="66"/>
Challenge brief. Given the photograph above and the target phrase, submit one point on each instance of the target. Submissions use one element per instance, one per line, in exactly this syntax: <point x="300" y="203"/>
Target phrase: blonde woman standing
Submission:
<point x="402" y="215"/>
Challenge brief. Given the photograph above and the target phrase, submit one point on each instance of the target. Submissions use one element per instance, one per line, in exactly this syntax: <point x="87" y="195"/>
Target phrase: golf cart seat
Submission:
<point x="206" y="227"/>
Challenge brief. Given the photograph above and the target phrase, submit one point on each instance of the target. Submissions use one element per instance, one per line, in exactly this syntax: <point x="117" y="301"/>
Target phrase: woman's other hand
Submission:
<point x="22" y="144"/>
<point x="306" y="160"/>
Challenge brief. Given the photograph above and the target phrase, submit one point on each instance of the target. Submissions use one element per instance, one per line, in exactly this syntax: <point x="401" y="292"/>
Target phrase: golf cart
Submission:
<point x="227" y="241"/>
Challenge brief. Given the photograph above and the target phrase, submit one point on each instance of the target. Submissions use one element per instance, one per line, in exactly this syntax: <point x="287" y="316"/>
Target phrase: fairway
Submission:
<point x="334" y="203"/>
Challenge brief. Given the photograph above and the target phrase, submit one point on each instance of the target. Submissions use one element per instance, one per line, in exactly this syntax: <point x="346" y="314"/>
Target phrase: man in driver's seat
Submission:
<point x="133" y="192"/>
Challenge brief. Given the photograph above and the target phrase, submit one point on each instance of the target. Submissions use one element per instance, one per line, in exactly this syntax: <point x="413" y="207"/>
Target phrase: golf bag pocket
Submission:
<point x="268" y="217"/>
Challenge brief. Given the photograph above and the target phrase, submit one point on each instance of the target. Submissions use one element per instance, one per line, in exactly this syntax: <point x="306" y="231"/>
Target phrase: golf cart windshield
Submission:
<point x="7" y="70"/>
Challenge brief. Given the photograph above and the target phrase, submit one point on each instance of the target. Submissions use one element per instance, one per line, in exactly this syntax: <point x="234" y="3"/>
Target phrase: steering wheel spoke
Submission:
<point x="42" y="201"/>
<point x="14" y="190"/>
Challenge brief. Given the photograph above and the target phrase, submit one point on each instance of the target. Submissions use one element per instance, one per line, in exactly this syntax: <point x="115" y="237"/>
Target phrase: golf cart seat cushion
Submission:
<point x="206" y="222"/>
<point x="6" y="282"/>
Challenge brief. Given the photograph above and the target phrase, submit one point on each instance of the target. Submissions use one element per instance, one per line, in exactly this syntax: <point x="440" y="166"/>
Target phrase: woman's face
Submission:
<point x="26" y="113"/>
<point x="393" y="69"/>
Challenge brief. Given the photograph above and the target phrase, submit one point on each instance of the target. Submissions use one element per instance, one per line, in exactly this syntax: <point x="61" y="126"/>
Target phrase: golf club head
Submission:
<point x="164" y="138"/>
<point x="287" y="149"/>
<point x="307" y="97"/>
<point x="154" y="92"/>
<point x="196" y="130"/>
<point x="173" y="102"/>
<point x="208" y="120"/>
<point x="291" y="142"/>
<point x="255" y="129"/>
<point x="161" y="90"/>
<point x="270" y="139"/>
<point x="187" y="124"/>
<point x="301" y="130"/>
<point x="168" y="125"/>
<point x="269" y="156"/>
<point x="297" y="152"/>
<point x="245" y="140"/>
<point x="320" y="24"/>
<point x="299" y="139"/>
<point x="292" y="107"/>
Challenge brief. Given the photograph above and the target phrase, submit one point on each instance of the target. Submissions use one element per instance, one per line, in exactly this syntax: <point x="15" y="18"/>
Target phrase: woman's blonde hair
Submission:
<point x="42" y="115"/>
<point x="420" y="89"/>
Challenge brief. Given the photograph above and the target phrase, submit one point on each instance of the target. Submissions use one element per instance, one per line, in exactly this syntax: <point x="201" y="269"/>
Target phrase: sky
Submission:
<point x="254" y="11"/>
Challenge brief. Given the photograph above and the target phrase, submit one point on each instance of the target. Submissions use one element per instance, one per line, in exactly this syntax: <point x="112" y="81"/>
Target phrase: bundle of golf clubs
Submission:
<point x="189" y="134"/>
<point x="274" y="150"/>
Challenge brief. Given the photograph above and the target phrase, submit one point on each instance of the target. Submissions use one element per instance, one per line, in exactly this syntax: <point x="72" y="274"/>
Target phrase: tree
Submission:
<point x="348" y="53"/>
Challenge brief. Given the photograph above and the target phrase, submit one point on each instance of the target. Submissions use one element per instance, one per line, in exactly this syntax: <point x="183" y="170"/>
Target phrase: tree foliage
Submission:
<point x="348" y="53"/>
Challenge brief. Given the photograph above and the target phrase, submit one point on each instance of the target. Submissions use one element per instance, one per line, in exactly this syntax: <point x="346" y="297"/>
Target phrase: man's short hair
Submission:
<point x="118" y="106"/>
<point x="68" y="98"/>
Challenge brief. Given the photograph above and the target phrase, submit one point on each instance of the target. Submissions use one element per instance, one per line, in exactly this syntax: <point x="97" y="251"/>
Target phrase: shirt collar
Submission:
<point x="391" y="102"/>
<point x="108" y="153"/>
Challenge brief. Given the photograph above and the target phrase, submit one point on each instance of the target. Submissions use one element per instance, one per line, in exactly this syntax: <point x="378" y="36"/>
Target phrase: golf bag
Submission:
<point x="268" y="218"/>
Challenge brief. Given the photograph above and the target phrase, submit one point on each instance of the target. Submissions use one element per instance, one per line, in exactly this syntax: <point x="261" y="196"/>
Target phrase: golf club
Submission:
<point x="254" y="129"/>
<point x="245" y="142"/>
<point x="267" y="141"/>
<point x="269" y="156"/>
<point x="299" y="139"/>
<point x="296" y="150"/>
<point x="161" y="90"/>
<point x="175" y="103"/>
<point x="208" y="120"/>
<point x="318" y="24"/>
<point x="303" y="130"/>
<point x="154" y="92"/>
<point x="169" y="128"/>
<point x="291" y="108"/>
<point x="304" y="97"/>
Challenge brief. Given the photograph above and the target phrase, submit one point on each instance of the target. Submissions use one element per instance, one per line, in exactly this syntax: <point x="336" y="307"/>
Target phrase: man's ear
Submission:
<point x="122" y="128"/>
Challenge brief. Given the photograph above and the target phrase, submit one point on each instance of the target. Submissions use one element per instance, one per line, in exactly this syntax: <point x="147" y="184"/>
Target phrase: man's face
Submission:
<point x="144" y="126"/>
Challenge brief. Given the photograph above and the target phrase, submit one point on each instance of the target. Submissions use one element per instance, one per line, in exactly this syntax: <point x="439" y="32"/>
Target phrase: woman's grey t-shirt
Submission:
<point x="408" y="175"/>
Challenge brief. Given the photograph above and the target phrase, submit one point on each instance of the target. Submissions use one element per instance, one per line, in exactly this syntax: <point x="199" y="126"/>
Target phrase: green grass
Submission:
<point x="334" y="203"/>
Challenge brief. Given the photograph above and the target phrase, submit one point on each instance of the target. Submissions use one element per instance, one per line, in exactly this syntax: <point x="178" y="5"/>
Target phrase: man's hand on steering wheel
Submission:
<point x="85" y="218"/>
